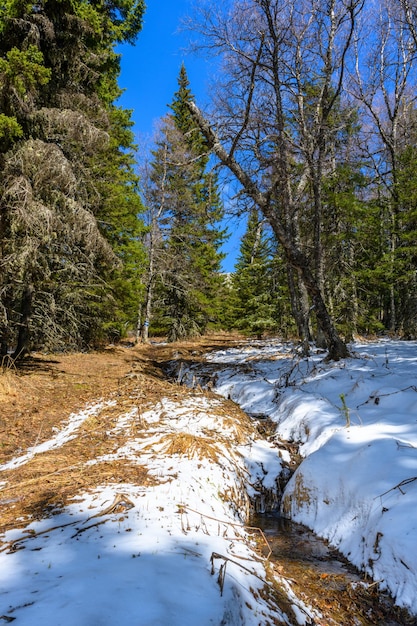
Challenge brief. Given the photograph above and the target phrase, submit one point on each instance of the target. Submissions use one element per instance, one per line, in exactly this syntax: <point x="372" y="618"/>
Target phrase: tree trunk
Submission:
<point x="22" y="346"/>
<point x="337" y="349"/>
<point x="299" y="308"/>
<point x="149" y="291"/>
<point x="148" y="309"/>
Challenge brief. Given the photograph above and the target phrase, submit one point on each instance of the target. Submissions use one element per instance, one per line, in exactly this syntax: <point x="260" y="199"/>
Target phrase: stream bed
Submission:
<point x="324" y="579"/>
<point x="318" y="574"/>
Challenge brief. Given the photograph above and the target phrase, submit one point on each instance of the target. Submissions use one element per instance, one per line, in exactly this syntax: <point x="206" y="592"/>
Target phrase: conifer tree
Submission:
<point x="188" y="191"/>
<point x="64" y="169"/>
<point x="253" y="286"/>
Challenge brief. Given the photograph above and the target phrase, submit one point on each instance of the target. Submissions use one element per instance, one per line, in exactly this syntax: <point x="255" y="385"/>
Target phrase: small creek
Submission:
<point x="319" y="575"/>
<point x="323" y="579"/>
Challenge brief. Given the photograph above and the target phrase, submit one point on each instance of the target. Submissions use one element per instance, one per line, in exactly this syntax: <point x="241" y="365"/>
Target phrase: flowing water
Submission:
<point x="324" y="580"/>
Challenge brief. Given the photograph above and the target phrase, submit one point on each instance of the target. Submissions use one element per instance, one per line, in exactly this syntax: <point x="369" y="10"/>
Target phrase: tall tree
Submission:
<point x="383" y="85"/>
<point x="190" y="210"/>
<point x="273" y="52"/>
<point x="58" y="83"/>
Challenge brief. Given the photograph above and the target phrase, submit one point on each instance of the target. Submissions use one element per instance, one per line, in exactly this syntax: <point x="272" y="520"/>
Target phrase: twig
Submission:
<point x="82" y="530"/>
<point x="406" y="481"/>
<point x="375" y="398"/>
<point x="376" y="582"/>
<point x="183" y="507"/>
<point x="222" y="572"/>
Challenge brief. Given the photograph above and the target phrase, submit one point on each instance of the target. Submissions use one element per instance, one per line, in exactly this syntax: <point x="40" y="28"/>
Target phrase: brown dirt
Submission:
<point x="37" y="399"/>
<point x="46" y="389"/>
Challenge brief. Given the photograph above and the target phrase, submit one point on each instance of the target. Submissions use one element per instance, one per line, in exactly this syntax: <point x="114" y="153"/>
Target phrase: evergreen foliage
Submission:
<point x="185" y="189"/>
<point x="253" y="297"/>
<point x="68" y="196"/>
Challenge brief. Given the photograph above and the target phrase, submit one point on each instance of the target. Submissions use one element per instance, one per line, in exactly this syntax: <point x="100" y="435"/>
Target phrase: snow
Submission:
<point x="143" y="554"/>
<point x="356" y="424"/>
<point x="150" y="553"/>
<point x="62" y="436"/>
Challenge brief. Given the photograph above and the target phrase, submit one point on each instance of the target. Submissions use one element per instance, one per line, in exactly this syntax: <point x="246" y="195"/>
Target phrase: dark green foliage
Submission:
<point x="189" y="280"/>
<point x="68" y="230"/>
<point x="254" y="293"/>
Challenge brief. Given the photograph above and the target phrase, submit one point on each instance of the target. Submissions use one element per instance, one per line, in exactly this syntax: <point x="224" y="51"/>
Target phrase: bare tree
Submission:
<point x="409" y="9"/>
<point x="283" y="71"/>
<point x="154" y="197"/>
<point x="384" y="85"/>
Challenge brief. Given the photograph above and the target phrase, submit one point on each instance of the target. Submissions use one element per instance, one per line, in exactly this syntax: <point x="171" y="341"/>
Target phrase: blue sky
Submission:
<point x="149" y="77"/>
<point x="150" y="68"/>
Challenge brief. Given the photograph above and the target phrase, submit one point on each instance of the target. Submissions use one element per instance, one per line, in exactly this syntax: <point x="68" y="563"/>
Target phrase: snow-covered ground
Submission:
<point x="356" y="423"/>
<point x="172" y="549"/>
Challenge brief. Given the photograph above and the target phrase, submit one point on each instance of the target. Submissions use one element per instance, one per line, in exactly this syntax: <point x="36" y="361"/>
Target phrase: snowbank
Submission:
<point x="356" y="425"/>
<point x="172" y="549"/>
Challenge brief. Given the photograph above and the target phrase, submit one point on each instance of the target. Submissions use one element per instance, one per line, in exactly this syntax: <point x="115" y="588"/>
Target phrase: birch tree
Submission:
<point x="384" y="84"/>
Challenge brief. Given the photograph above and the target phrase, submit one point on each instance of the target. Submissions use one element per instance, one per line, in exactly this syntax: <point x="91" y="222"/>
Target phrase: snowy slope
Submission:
<point x="356" y="424"/>
<point x="172" y="549"/>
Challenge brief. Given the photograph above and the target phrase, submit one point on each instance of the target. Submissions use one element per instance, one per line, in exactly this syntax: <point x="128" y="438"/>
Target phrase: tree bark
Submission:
<point x="22" y="346"/>
<point x="299" y="307"/>
<point x="296" y="258"/>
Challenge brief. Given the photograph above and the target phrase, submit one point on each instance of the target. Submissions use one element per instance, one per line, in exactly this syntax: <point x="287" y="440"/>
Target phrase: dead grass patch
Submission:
<point x="38" y="399"/>
<point x="191" y="446"/>
<point x="10" y="385"/>
<point x="47" y="486"/>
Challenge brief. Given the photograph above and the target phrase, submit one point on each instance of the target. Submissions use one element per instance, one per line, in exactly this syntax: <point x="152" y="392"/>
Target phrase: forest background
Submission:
<point x="309" y="136"/>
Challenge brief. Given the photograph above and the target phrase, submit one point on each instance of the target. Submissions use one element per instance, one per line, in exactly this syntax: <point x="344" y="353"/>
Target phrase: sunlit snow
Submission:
<point x="356" y="423"/>
<point x="151" y="554"/>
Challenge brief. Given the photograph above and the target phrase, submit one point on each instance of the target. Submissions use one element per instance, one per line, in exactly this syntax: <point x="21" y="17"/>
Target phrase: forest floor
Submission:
<point x="40" y="396"/>
<point x="46" y="389"/>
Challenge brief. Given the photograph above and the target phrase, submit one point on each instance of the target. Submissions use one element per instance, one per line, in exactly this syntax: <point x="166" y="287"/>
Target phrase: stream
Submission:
<point x="320" y="576"/>
<point x="324" y="579"/>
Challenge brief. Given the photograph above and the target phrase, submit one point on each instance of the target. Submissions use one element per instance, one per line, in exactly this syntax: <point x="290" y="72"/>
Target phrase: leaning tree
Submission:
<point x="282" y="73"/>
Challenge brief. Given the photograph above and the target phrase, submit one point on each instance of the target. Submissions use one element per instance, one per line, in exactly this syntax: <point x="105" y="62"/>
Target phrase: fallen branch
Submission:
<point x="222" y="571"/>
<point x="13" y="545"/>
<point x="182" y="508"/>
<point x="120" y="501"/>
<point x="82" y="530"/>
<point x="406" y="481"/>
<point x="376" y="398"/>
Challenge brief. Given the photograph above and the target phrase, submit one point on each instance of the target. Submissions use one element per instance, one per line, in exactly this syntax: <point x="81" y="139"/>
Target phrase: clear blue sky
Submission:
<point x="149" y="77"/>
<point x="150" y="68"/>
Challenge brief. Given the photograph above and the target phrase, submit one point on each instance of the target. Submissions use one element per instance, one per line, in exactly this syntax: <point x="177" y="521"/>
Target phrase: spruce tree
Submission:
<point x="190" y="277"/>
<point x="64" y="168"/>
<point x="254" y="289"/>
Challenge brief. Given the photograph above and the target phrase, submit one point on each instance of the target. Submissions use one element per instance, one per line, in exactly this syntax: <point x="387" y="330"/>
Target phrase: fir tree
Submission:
<point x="254" y="290"/>
<point x="59" y="195"/>
<point x="190" y="278"/>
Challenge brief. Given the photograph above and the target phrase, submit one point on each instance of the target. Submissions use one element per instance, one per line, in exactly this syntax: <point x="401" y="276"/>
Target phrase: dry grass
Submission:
<point x="38" y="399"/>
<point x="10" y="385"/>
<point x="191" y="446"/>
